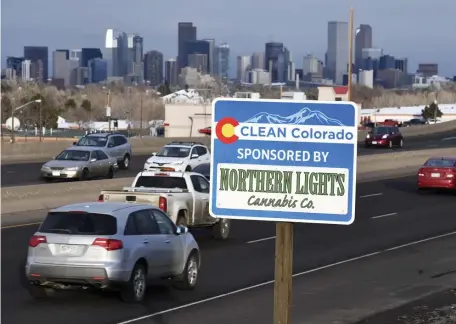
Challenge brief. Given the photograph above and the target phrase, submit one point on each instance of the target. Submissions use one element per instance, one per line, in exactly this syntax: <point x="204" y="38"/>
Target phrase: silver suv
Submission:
<point x="114" y="144"/>
<point x="110" y="245"/>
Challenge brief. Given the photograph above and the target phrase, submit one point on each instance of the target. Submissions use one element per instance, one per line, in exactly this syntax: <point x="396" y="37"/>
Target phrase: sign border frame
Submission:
<point x="279" y="219"/>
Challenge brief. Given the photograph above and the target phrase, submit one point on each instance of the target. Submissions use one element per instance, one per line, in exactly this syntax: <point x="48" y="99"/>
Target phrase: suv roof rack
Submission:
<point x="185" y="143"/>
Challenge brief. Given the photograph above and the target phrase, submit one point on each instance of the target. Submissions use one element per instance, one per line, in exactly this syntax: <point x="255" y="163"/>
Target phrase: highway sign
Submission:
<point x="287" y="161"/>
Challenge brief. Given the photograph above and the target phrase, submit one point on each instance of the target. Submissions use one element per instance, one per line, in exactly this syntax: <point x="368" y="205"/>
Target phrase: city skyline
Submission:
<point x="161" y="34"/>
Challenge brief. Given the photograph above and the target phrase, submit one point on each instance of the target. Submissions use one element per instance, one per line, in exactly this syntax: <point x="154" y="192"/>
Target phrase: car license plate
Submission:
<point x="68" y="249"/>
<point x="56" y="173"/>
<point x="435" y="175"/>
<point x="374" y="142"/>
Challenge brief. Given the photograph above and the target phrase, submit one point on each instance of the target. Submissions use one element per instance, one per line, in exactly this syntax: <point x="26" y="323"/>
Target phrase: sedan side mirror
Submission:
<point x="181" y="229"/>
<point x="154" y="153"/>
<point x="74" y="143"/>
<point x="93" y="160"/>
<point x="195" y="156"/>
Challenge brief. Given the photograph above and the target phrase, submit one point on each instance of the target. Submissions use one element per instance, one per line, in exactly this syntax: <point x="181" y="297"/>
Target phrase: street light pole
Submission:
<point x="13" y="138"/>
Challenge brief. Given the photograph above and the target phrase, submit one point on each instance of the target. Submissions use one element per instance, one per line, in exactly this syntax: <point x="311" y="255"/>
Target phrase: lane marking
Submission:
<point x="432" y="145"/>
<point x="449" y="138"/>
<point x="20" y="225"/>
<point x="10" y="171"/>
<point x="332" y="265"/>
<point x="261" y="240"/>
<point x="385" y="215"/>
<point x="372" y="195"/>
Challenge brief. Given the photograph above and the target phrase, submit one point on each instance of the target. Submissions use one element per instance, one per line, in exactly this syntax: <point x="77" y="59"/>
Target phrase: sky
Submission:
<point x="422" y="30"/>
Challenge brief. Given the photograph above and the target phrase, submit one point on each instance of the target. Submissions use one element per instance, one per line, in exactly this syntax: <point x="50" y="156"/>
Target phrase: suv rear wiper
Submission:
<point x="64" y="230"/>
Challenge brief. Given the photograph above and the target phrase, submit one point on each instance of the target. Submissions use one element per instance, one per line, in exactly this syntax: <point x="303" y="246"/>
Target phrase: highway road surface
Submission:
<point x="389" y="214"/>
<point x="21" y="174"/>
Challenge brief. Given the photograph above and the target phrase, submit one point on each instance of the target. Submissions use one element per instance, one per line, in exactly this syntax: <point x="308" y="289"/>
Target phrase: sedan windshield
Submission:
<point x="381" y="130"/>
<point x="440" y="163"/>
<point x="92" y="141"/>
<point x="174" y="151"/>
<point x="73" y="155"/>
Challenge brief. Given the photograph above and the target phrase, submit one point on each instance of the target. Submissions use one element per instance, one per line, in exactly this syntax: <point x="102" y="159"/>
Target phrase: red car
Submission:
<point x="438" y="173"/>
<point x="384" y="136"/>
<point x="206" y="131"/>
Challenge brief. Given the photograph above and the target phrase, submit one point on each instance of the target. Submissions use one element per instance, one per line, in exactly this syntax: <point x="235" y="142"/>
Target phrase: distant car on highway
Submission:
<point x="114" y="144"/>
<point x="179" y="157"/>
<point x="438" y="173"/>
<point x="80" y="162"/>
<point x="110" y="246"/>
<point x="415" y="122"/>
<point x="204" y="169"/>
<point x="384" y="136"/>
<point x="206" y="130"/>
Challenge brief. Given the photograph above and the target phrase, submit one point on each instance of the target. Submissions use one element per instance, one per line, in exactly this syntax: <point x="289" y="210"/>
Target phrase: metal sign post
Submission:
<point x="287" y="162"/>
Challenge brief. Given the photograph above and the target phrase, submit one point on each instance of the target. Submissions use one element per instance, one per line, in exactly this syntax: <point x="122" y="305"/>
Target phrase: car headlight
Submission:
<point x="368" y="136"/>
<point x="385" y="136"/>
<point x="178" y="162"/>
<point x="72" y="169"/>
<point x="45" y="168"/>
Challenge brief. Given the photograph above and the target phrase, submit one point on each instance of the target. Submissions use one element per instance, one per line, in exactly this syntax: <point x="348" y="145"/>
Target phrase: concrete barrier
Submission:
<point x="45" y="150"/>
<point x="37" y="197"/>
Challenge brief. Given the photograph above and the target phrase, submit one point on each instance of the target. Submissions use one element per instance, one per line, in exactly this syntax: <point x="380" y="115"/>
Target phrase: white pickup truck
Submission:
<point x="184" y="196"/>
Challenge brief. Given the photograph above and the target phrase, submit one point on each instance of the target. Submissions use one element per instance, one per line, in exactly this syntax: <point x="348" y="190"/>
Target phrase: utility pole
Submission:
<point x="350" y="57"/>
<point x="40" y="121"/>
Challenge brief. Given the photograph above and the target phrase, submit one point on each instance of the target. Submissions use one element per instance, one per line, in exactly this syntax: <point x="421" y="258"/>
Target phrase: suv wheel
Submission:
<point x="390" y="144"/>
<point x="125" y="162"/>
<point x="135" y="289"/>
<point x="187" y="280"/>
<point x="188" y="169"/>
<point x="401" y="143"/>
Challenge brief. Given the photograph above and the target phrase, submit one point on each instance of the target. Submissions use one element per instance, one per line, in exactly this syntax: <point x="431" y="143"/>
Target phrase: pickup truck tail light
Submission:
<point x="108" y="244"/>
<point x="100" y="198"/>
<point x="163" y="204"/>
<point x="36" y="240"/>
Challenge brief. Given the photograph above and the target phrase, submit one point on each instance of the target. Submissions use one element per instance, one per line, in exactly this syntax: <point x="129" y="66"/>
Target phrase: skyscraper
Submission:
<point x="197" y="47"/>
<point x="153" y="67"/>
<point x="186" y="33"/>
<point x="243" y="66"/>
<point x="135" y="58"/>
<point x="363" y="39"/>
<point x="88" y="54"/>
<point x="337" y="53"/>
<point x="110" y="52"/>
<point x="211" y="42"/>
<point x="61" y="66"/>
<point x="171" y="71"/>
<point x="276" y="61"/>
<point x="38" y="56"/>
<point x="222" y="61"/>
<point x="258" y="61"/>
<point x="122" y="54"/>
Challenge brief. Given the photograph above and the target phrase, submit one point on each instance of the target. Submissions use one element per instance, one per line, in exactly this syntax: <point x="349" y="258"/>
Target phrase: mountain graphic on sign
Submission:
<point x="305" y="116"/>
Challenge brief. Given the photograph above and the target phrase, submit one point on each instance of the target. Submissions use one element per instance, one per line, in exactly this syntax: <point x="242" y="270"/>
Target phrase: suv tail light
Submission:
<point x="36" y="240"/>
<point x="421" y="173"/>
<point x="108" y="244"/>
<point x="100" y="198"/>
<point x="163" y="204"/>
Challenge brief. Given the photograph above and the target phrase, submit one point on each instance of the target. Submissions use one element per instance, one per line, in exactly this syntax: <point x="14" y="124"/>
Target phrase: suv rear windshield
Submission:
<point x="79" y="223"/>
<point x="161" y="182"/>
<point x="99" y="141"/>
<point x="440" y="163"/>
<point x="174" y="151"/>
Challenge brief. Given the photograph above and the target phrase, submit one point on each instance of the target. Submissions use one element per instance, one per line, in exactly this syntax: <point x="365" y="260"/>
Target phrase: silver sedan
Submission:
<point x="110" y="245"/>
<point x="81" y="163"/>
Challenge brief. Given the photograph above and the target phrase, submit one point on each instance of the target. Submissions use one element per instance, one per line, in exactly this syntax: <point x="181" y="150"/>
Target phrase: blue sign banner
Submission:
<point x="277" y="160"/>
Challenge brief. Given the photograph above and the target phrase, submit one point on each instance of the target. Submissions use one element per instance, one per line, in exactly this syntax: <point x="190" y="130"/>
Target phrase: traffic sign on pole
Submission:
<point x="285" y="161"/>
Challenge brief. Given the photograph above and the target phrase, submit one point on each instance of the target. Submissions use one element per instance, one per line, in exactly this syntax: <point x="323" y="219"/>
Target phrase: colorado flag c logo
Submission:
<point x="225" y="130"/>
